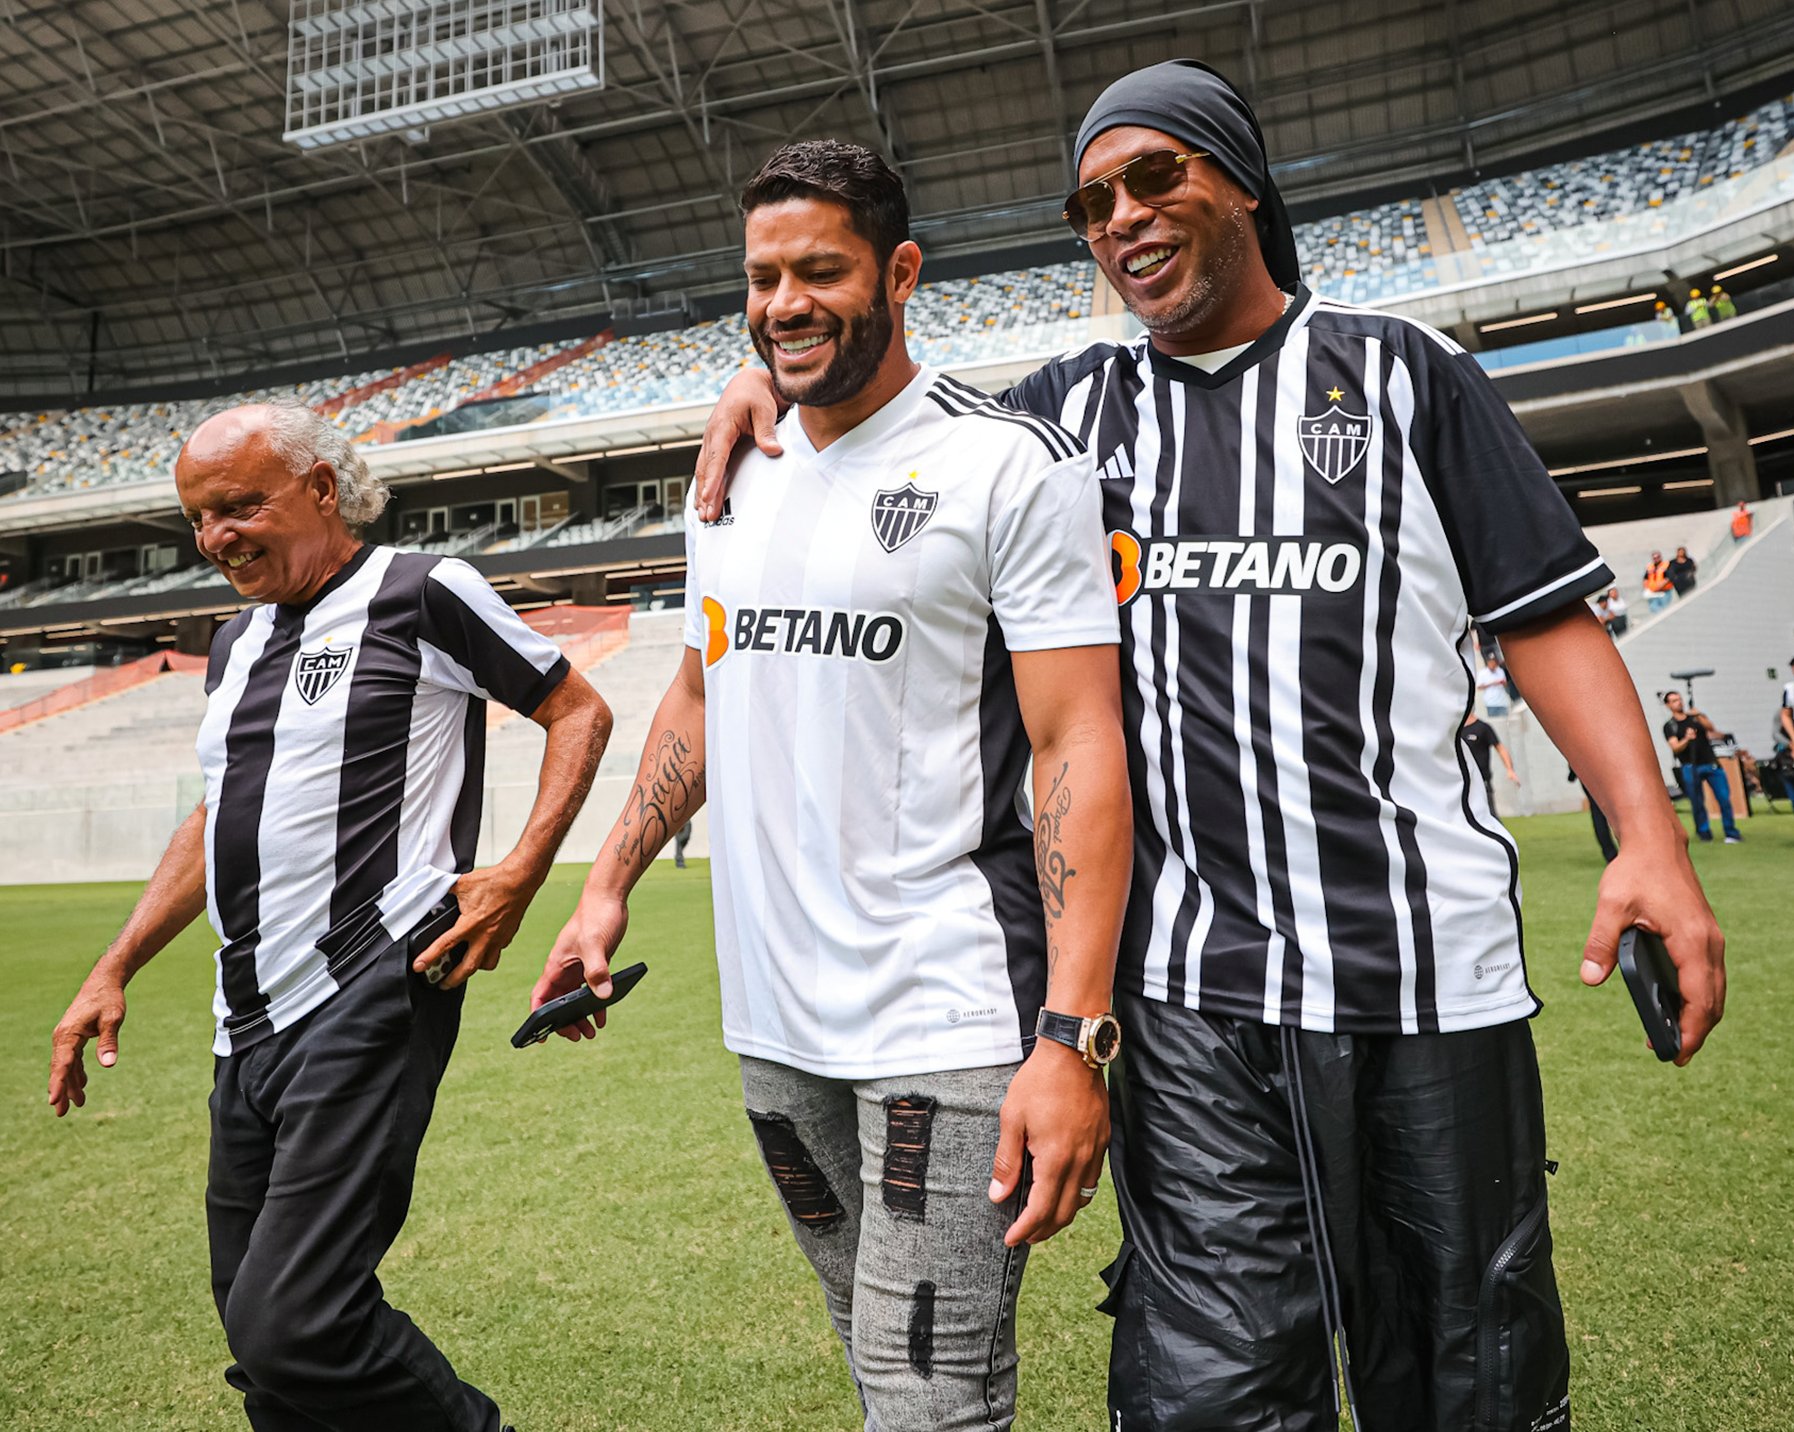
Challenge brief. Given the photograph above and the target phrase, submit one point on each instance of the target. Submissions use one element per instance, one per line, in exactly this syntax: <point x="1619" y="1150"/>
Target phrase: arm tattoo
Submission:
<point x="1049" y="855"/>
<point x="670" y="788"/>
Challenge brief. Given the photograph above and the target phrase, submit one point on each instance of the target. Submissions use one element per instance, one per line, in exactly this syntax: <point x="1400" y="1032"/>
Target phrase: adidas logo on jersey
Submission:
<point x="1231" y="565"/>
<point x="818" y="631"/>
<point x="1119" y="467"/>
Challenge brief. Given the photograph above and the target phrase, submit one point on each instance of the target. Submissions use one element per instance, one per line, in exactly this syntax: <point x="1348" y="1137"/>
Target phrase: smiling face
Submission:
<point x="1176" y="265"/>
<point x="820" y="304"/>
<point x="275" y="535"/>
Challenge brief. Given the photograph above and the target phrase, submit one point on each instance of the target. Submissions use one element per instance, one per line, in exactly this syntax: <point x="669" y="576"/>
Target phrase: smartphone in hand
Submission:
<point x="1651" y="976"/>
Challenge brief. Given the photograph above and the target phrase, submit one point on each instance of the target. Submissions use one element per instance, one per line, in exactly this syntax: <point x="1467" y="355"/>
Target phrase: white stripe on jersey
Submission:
<point x="1374" y="558"/>
<point x="1302" y="853"/>
<point x="1256" y="854"/>
<point x="1166" y="793"/>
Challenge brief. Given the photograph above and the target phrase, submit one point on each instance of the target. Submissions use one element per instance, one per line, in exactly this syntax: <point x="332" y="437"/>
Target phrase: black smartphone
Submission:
<point x="1651" y="977"/>
<point x="438" y="920"/>
<point x="577" y="1005"/>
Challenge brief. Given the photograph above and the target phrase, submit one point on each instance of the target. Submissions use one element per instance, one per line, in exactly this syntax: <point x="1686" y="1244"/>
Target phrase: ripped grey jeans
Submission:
<point x="886" y="1183"/>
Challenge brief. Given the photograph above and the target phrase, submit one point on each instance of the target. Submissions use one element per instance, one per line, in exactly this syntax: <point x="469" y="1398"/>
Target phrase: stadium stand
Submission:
<point x="1364" y="254"/>
<point x="1623" y="186"/>
<point x="1535" y="220"/>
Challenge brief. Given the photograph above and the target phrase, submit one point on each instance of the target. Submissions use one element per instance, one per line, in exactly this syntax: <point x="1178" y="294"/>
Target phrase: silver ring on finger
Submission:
<point x="1087" y="1194"/>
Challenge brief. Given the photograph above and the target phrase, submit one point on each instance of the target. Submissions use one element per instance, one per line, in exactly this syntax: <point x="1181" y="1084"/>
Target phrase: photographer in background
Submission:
<point x="1690" y="735"/>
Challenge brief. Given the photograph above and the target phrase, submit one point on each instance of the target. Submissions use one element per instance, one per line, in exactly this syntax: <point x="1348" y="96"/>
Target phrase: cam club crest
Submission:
<point x="1333" y="442"/>
<point x="316" y="671"/>
<point x="899" y="514"/>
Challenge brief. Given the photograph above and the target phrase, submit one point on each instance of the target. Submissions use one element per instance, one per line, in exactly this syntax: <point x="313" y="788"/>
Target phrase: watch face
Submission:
<point x="1105" y="1039"/>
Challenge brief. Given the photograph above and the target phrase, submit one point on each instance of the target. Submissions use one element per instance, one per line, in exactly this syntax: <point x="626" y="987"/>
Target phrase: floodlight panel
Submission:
<point x="361" y="68"/>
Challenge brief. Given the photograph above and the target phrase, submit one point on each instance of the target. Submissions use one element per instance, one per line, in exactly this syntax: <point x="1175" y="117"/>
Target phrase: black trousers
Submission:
<point x="1283" y="1193"/>
<point x="315" y="1133"/>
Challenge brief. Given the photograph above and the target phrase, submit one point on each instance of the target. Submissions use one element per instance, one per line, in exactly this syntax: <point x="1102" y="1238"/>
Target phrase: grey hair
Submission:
<point x="301" y="437"/>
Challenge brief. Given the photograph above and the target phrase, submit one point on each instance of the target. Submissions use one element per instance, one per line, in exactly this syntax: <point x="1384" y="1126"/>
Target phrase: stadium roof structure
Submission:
<point x="155" y="228"/>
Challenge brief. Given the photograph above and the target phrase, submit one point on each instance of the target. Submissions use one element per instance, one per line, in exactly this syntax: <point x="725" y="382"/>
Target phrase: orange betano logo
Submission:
<point x="716" y="645"/>
<point x="1126" y="549"/>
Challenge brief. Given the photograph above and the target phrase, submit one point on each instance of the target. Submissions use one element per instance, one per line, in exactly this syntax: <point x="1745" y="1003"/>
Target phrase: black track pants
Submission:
<point x="315" y="1132"/>
<point x="1276" y="1185"/>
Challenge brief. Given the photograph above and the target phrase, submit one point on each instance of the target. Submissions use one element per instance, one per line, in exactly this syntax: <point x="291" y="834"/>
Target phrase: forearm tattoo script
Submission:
<point x="669" y="790"/>
<point x="1049" y="854"/>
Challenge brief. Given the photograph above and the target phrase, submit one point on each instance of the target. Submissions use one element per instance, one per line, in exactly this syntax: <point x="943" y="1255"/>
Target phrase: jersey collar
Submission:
<point x="1300" y="309"/>
<point x="889" y="419"/>
<point x="335" y="580"/>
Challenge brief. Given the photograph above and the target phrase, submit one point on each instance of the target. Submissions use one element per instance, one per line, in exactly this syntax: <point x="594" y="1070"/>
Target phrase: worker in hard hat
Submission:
<point x="1721" y="303"/>
<point x="1696" y="311"/>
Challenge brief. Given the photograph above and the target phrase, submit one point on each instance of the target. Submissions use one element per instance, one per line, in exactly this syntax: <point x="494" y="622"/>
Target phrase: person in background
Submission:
<point x="1682" y="570"/>
<point x="1492" y="686"/>
<point x="1660" y="589"/>
<point x="1614" y="614"/>
<point x="1696" y="311"/>
<point x="1782" y="738"/>
<point x="680" y="841"/>
<point x="1690" y="735"/>
<point x="1723" y="307"/>
<point x="1741" y="522"/>
<point x="1480" y="737"/>
<point x="1665" y="317"/>
<point x="1610" y="848"/>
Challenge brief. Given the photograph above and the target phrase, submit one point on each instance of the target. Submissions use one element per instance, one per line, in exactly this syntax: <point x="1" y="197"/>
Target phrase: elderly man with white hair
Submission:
<point x="342" y="747"/>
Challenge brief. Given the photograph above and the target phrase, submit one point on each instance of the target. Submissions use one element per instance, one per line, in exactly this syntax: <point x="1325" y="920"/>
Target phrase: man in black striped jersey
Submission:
<point x="343" y="751"/>
<point x="1328" y="1114"/>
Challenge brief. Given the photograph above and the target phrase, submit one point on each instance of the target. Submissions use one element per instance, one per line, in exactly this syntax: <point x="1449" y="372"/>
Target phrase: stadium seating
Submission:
<point x="1626" y="185"/>
<point x="1370" y="252"/>
<point x="1545" y="217"/>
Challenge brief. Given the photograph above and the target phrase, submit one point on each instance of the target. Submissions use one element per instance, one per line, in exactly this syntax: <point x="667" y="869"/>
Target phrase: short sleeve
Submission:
<point x="472" y="641"/>
<point x="1520" y="551"/>
<point x="694" y="596"/>
<point x="1050" y="580"/>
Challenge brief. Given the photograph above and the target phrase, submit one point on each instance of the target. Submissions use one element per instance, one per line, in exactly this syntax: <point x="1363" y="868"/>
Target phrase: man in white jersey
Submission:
<point x="869" y="626"/>
<point x="1328" y="1122"/>
<point x="343" y="749"/>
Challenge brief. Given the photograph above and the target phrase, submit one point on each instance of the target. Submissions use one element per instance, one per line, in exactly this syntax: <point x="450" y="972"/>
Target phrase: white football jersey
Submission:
<point x="876" y="905"/>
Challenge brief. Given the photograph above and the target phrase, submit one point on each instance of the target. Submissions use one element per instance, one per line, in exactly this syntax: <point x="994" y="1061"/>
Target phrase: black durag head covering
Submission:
<point x="1191" y="102"/>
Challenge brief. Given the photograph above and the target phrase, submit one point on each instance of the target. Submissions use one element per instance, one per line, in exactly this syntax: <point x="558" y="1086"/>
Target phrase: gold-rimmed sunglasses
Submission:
<point x="1156" y="179"/>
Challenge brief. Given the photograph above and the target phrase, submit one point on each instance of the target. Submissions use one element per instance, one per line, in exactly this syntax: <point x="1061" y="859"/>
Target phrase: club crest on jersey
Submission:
<point x="900" y="513"/>
<point x="1334" y="442"/>
<point x="316" y="671"/>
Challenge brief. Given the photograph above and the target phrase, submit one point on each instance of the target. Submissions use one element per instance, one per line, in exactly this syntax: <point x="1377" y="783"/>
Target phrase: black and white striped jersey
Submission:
<point x="343" y="747"/>
<point x="1301" y="540"/>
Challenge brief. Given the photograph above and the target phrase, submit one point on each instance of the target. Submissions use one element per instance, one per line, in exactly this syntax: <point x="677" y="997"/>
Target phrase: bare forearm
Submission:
<point x="668" y="791"/>
<point x="578" y="724"/>
<point x="1083" y="856"/>
<point x="1582" y="694"/>
<point x="174" y="898"/>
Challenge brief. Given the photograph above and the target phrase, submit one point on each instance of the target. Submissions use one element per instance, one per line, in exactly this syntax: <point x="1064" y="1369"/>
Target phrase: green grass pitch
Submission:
<point x="595" y="1242"/>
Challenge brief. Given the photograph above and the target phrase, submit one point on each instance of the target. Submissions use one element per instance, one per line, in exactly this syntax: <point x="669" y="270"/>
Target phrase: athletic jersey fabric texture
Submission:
<point x="877" y="911"/>
<point x="1302" y="540"/>
<point x="343" y="748"/>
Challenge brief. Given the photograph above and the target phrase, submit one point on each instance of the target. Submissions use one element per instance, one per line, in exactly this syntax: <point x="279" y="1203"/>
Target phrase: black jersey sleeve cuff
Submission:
<point x="1542" y="600"/>
<point x="541" y="688"/>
